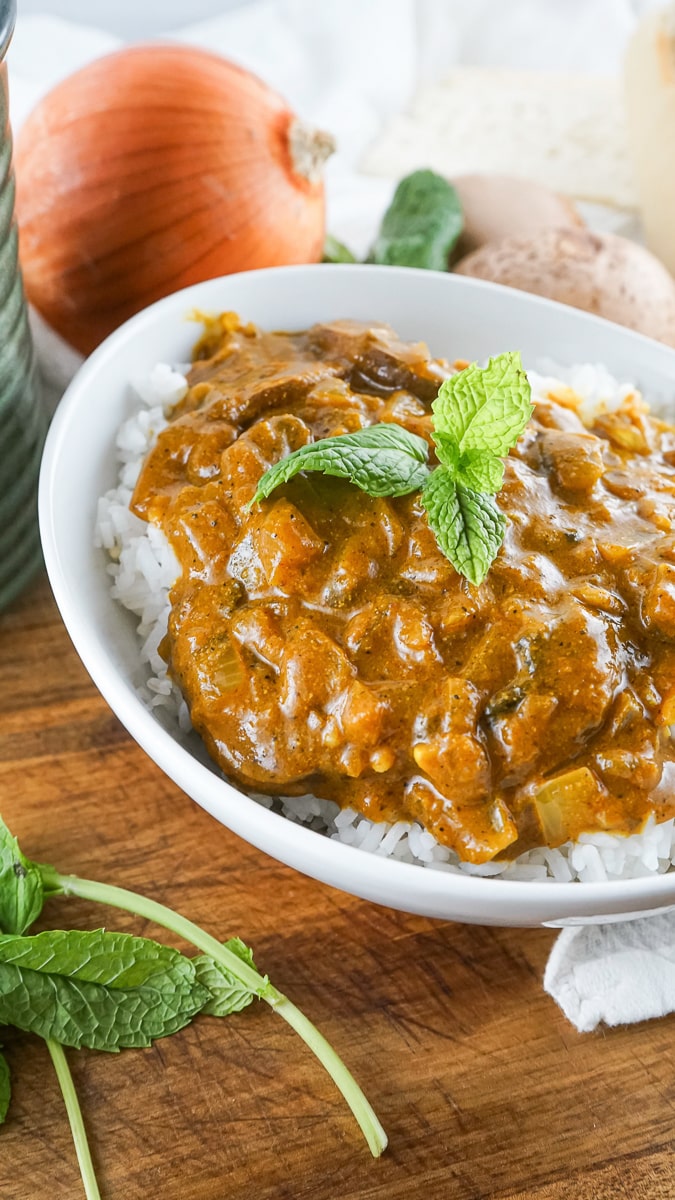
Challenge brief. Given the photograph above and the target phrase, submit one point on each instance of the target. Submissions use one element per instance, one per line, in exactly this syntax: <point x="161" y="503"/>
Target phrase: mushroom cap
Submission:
<point x="496" y="206"/>
<point x="599" y="272"/>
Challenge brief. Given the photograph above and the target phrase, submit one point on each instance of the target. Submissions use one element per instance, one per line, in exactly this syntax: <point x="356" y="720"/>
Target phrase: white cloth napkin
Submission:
<point x="616" y="974"/>
<point x="350" y="84"/>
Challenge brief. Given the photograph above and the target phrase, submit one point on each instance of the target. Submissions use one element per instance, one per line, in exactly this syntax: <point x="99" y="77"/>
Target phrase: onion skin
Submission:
<point x="152" y="169"/>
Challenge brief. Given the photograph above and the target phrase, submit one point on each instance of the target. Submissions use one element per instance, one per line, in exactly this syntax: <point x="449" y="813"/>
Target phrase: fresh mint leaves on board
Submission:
<point x="112" y="991"/>
<point x="226" y="993"/>
<point x="104" y="991"/>
<point x="477" y="417"/>
<point x="21" y="891"/>
<point x="421" y="225"/>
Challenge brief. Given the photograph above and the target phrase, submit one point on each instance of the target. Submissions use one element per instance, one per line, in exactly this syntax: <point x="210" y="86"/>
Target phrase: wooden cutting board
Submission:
<point x="483" y="1087"/>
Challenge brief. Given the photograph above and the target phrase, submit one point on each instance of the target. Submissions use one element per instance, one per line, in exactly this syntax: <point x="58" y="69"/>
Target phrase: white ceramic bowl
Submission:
<point x="457" y="317"/>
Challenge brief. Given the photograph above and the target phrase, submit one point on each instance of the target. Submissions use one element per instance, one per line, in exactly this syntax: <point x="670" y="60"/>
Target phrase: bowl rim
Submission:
<point x="372" y="872"/>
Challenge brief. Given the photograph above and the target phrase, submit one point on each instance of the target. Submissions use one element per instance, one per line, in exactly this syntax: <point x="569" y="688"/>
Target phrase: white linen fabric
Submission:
<point x="615" y="974"/>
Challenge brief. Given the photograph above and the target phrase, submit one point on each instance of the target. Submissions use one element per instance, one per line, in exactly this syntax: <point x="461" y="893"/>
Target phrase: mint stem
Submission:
<point x="151" y="910"/>
<point x="75" y="1118"/>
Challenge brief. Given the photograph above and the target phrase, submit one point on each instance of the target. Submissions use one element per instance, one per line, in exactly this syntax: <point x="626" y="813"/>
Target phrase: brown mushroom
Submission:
<point x="495" y="206"/>
<point x="599" y="272"/>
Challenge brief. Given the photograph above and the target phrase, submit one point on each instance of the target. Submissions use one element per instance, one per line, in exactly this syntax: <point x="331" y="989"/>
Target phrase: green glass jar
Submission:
<point x="22" y="416"/>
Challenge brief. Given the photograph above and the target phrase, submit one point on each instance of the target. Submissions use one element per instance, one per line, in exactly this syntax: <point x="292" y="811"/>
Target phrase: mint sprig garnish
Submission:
<point x="477" y="417"/>
<point x="382" y="460"/>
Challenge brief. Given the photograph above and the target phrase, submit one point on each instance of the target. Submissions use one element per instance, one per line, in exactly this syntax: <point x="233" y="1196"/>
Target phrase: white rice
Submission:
<point x="143" y="568"/>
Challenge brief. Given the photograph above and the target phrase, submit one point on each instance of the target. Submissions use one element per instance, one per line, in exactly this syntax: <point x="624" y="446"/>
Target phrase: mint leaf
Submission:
<point x="468" y="526"/>
<point x="335" y="251"/>
<point x="478" y="416"/>
<point x="421" y="225"/>
<point x="383" y="460"/>
<point x="477" y="469"/>
<point x="481" y="472"/>
<point x="5" y="1088"/>
<point x="485" y="408"/>
<point x="21" y="891"/>
<point x="447" y="450"/>
<point x="96" y="989"/>
<point x="228" y="994"/>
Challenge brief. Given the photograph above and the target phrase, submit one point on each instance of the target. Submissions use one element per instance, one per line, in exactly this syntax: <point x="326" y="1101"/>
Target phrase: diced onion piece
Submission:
<point x="567" y="803"/>
<point x="229" y="673"/>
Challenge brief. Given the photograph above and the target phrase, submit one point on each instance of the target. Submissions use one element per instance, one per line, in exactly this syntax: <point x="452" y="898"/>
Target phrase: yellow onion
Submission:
<point x="155" y="168"/>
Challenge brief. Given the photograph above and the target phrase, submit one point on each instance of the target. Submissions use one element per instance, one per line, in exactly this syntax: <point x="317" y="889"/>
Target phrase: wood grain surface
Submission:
<point x="483" y="1087"/>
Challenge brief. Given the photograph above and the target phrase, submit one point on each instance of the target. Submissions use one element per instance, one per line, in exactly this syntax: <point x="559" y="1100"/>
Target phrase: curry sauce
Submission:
<point x="325" y="644"/>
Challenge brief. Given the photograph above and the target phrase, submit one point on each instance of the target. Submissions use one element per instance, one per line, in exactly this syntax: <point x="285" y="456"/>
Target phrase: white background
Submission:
<point x="575" y="34"/>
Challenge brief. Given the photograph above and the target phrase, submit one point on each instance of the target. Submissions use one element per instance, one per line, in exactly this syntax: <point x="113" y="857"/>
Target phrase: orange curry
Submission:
<point x="324" y="643"/>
